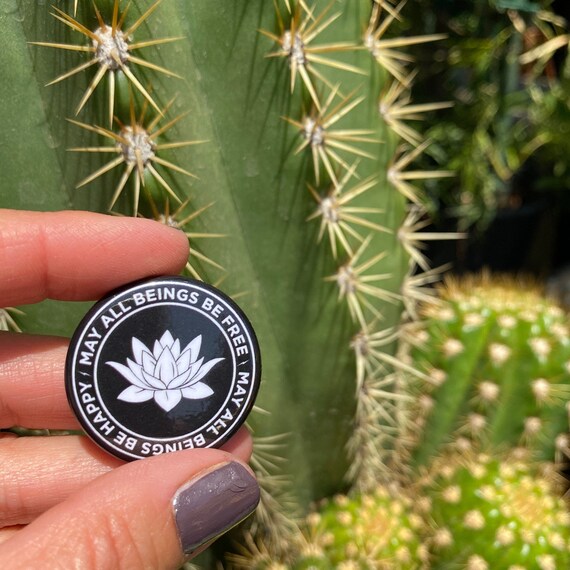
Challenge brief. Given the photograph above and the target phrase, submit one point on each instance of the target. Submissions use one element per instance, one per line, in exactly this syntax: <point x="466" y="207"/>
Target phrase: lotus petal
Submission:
<point x="179" y="381"/>
<point x="157" y="349"/>
<point x="135" y="394"/>
<point x="197" y="391"/>
<point x="186" y="377"/>
<point x="154" y="383"/>
<point x="175" y="349"/>
<point x="167" y="399"/>
<point x="139" y="349"/>
<point x="205" y="369"/>
<point x="183" y="361"/>
<point x="194" y="348"/>
<point x="128" y="374"/>
<point x="136" y="369"/>
<point x="166" y="340"/>
<point x="195" y="368"/>
<point x="165" y="368"/>
<point x="148" y="362"/>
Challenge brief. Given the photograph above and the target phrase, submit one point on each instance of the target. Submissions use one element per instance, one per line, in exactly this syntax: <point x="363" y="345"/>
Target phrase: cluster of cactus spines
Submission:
<point x="396" y="108"/>
<point x="336" y="215"/>
<point x="385" y="50"/>
<point x="181" y="218"/>
<point x="497" y="359"/>
<point x="111" y="49"/>
<point x="295" y="43"/>
<point x="414" y="240"/>
<point x="7" y="320"/>
<point x="137" y="146"/>
<point x="404" y="180"/>
<point x="376" y="530"/>
<point x="487" y="512"/>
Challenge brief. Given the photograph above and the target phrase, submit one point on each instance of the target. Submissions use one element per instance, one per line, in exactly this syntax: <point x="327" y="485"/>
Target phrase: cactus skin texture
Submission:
<point x="497" y="361"/>
<point x="488" y="513"/>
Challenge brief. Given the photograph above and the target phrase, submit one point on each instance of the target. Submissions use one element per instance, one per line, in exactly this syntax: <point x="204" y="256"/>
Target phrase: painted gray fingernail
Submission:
<point x="212" y="503"/>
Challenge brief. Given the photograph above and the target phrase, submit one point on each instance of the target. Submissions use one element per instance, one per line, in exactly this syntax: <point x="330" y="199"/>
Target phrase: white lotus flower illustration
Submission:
<point x="166" y="373"/>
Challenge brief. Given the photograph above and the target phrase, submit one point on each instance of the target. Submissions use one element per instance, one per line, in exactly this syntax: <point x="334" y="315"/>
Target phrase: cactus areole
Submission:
<point x="162" y="365"/>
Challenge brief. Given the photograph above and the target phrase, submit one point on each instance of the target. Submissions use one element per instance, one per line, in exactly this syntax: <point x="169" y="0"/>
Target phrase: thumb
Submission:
<point x="152" y="513"/>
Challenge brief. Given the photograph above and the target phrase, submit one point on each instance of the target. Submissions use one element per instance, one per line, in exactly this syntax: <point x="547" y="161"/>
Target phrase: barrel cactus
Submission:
<point x="277" y="136"/>
<point x="490" y="512"/>
<point x="469" y="510"/>
<point x="379" y="529"/>
<point x="496" y="359"/>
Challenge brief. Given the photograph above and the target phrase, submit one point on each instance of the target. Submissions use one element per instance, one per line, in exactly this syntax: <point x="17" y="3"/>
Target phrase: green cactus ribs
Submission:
<point x="496" y="356"/>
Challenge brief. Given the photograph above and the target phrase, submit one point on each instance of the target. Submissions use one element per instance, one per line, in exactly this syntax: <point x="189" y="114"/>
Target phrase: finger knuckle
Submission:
<point x="114" y="543"/>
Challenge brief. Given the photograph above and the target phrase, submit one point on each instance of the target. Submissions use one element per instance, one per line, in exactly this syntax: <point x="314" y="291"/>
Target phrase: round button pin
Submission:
<point x="162" y="365"/>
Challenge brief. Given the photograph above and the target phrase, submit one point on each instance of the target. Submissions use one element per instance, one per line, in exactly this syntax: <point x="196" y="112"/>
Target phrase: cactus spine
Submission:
<point x="8" y="321"/>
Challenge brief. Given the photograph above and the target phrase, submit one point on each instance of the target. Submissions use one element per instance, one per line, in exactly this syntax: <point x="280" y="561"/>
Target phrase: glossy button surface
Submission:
<point x="162" y="365"/>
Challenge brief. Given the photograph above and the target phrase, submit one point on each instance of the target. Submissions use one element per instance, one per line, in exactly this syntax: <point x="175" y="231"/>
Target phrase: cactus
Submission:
<point x="295" y="150"/>
<point x="494" y="513"/>
<point x="276" y="136"/>
<point x="375" y="530"/>
<point x="470" y="510"/>
<point x="496" y="359"/>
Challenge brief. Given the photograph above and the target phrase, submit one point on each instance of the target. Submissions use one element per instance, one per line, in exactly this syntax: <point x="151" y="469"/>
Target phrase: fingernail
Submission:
<point x="212" y="503"/>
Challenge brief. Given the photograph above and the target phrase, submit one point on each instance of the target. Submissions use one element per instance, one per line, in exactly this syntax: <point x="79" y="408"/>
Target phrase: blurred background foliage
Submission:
<point x="504" y="68"/>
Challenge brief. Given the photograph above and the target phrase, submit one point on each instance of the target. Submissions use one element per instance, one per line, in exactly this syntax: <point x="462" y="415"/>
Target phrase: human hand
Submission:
<point x="64" y="503"/>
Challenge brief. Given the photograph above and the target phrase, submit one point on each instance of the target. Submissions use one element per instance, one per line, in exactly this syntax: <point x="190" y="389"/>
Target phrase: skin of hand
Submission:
<point x="64" y="503"/>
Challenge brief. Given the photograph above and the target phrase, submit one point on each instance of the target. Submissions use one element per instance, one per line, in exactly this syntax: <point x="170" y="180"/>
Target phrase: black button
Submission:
<point x="162" y="365"/>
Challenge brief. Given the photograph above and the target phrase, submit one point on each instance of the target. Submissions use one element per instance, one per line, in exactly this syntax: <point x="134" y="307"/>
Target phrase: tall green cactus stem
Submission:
<point x="488" y="513"/>
<point x="301" y="140"/>
<point x="496" y="359"/>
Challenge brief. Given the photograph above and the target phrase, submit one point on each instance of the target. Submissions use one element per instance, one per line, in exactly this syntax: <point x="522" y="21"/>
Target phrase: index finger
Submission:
<point x="80" y="256"/>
